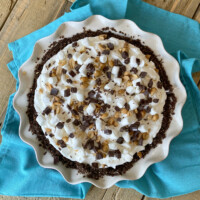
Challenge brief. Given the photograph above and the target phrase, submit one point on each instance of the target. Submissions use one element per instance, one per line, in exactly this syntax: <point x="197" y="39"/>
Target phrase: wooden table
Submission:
<point x="21" y="17"/>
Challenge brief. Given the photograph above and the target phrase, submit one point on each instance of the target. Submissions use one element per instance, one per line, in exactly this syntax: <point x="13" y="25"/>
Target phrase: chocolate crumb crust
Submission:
<point x="92" y="171"/>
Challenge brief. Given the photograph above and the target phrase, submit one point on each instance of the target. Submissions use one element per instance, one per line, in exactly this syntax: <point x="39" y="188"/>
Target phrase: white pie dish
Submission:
<point x="95" y="23"/>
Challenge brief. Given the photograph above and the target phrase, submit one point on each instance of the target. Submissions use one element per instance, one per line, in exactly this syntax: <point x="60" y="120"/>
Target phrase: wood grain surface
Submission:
<point x="21" y="17"/>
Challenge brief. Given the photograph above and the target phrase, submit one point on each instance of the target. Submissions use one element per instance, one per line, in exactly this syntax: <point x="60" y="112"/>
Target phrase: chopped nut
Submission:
<point x="47" y="130"/>
<point x="117" y="114"/>
<point x="136" y="111"/>
<point x="121" y="91"/>
<point x="143" y="113"/>
<point x="82" y="49"/>
<point x="155" y="117"/>
<point x="147" y="56"/>
<point x="116" y="124"/>
<point x="97" y="73"/>
<point x="126" y="78"/>
<point x="102" y="37"/>
<point x="157" y="70"/>
<point x="71" y="63"/>
<point x="105" y="147"/>
<point x="134" y="76"/>
<point x="96" y="59"/>
<point x="124" y="111"/>
<point x="120" y="50"/>
<point x="91" y="134"/>
<point x="129" y="83"/>
<point x="91" y="126"/>
<point x="139" y="154"/>
<point x="153" y="91"/>
<point x="129" y="113"/>
<point x="40" y="90"/>
<point x="62" y="62"/>
<point x="101" y="47"/>
<point x="58" y="110"/>
<point x="98" y="138"/>
<point x="65" y="139"/>
<point x="126" y="73"/>
<point x="49" y="86"/>
<point x="104" y="115"/>
<point x="102" y="66"/>
<point x="111" y="63"/>
<point x="145" y="135"/>
<point x="57" y="103"/>
<point x="84" y="79"/>
<point x="84" y="85"/>
<point x="111" y="121"/>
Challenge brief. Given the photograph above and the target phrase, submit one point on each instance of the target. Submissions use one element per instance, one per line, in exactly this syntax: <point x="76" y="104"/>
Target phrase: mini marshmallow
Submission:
<point x="80" y="96"/>
<point x="153" y="112"/>
<point x="130" y="89"/>
<point x="136" y="81"/>
<point x="133" y="62"/>
<point x="142" y="129"/>
<point x="46" y="99"/>
<point x="82" y="70"/>
<point x="138" y="97"/>
<point x="121" y="102"/>
<point x="141" y="63"/>
<point x="125" y="121"/>
<point x="126" y="136"/>
<point x="89" y="60"/>
<point x="52" y="80"/>
<point x="98" y="124"/>
<point x="115" y="70"/>
<point x="54" y="120"/>
<point x="118" y="81"/>
<point x="82" y="58"/>
<point x="133" y="105"/>
<point x="90" y="109"/>
<point x="76" y="55"/>
<point x="109" y="86"/>
<point x="112" y="145"/>
<point x="40" y="120"/>
<point x="135" y="51"/>
<point x="103" y="59"/>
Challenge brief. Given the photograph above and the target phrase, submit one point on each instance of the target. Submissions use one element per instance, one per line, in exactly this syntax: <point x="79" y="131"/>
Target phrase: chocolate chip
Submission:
<point x="134" y="136"/>
<point x="103" y="108"/>
<point x="46" y="111"/>
<point x="61" y="143"/>
<point x="150" y="84"/>
<point x="106" y="52"/>
<point x="146" y="92"/>
<point x="117" y="62"/>
<point x="91" y="94"/>
<point x="68" y="120"/>
<point x="98" y="81"/>
<point x="134" y="127"/>
<point x="60" y="125"/>
<point x="127" y="61"/>
<point x="118" y="154"/>
<point x="108" y="74"/>
<point x="77" y="67"/>
<point x="56" y="159"/>
<point x="69" y="55"/>
<point x="64" y="71"/>
<point x="155" y="100"/>
<point x="120" y="140"/>
<point x="74" y="90"/>
<point x="127" y="106"/>
<point x="67" y="93"/>
<point x="89" y="144"/>
<point x="71" y="135"/>
<point x="80" y="109"/>
<point x="138" y="61"/>
<point x="139" y="116"/>
<point x="143" y="74"/>
<point x="111" y="153"/>
<point x="74" y="44"/>
<point x="112" y="92"/>
<point x="95" y="165"/>
<point x="159" y="85"/>
<point x="105" y="69"/>
<point x="148" y="109"/>
<point x="99" y="155"/>
<point x="117" y="108"/>
<point x="72" y="73"/>
<point x="108" y="131"/>
<point x="90" y="69"/>
<point x="140" y="142"/>
<point x="122" y="69"/>
<point x="76" y="122"/>
<point x="74" y="112"/>
<point x="69" y="81"/>
<point x="51" y="134"/>
<point x="124" y="54"/>
<point x="110" y="46"/>
<point x="54" y="91"/>
<point x="124" y="128"/>
<point x="134" y="70"/>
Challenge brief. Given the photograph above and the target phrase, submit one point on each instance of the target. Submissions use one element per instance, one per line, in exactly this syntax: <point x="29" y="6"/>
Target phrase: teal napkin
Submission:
<point x="176" y="175"/>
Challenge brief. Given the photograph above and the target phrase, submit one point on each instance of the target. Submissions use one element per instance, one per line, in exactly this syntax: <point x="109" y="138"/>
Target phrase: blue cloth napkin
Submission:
<point x="176" y="175"/>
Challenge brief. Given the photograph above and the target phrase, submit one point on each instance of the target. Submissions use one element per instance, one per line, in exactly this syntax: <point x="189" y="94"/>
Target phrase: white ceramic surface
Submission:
<point x="68" y="29"/>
